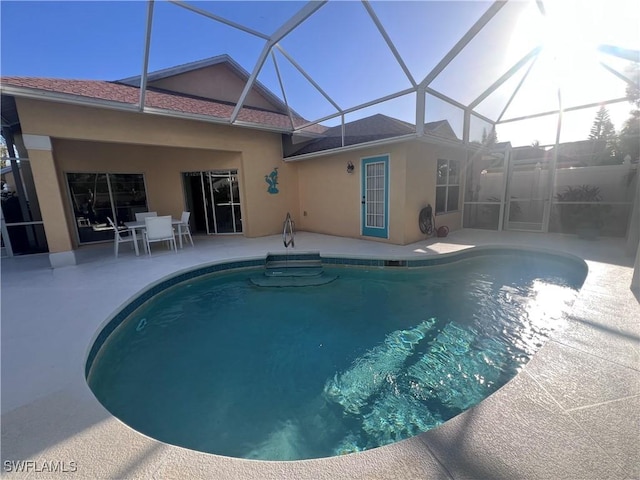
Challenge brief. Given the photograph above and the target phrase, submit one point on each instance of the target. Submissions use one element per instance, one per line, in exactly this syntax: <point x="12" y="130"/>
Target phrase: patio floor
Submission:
<point x="572" y="413"/>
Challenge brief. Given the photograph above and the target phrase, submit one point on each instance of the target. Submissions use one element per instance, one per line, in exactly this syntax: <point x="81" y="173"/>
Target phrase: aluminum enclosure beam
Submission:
<point x="308" y="77"/>
<point x="145" y="57"/>
<point x="220" y="19"/>
<point x="569" y="109"/>
<point x="284" y="93"/>
<point x="517" y="89"/>
<point x="457" y="48"/>
<point x="621" y="76"/>
<point x="507" y="75"/>
<point x="387" y="39"/>
<point x="305" y="12"/>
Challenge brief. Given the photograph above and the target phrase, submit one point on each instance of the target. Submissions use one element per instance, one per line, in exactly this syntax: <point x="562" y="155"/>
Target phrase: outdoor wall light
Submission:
<point x="350" y="167"/>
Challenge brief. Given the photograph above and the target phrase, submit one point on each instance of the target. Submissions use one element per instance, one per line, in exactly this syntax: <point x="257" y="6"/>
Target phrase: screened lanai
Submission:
<point x="543" y="95"/>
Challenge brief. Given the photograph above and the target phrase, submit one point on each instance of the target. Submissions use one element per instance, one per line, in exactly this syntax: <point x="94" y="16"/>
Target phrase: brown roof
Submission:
<point x="127" y="94"/>
<point x="368" y="129"/>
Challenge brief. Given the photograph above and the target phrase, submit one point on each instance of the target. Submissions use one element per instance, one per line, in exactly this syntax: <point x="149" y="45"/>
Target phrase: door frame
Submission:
<point x="208" y="200"/>
<point x="374" y="231"/>
<point x="544" y="180"/>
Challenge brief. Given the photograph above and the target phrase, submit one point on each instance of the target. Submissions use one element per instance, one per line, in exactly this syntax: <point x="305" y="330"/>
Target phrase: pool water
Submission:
<point x="219" y="365"/>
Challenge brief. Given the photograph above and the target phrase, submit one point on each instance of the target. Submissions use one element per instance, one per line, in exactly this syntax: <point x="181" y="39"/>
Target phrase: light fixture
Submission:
<point x="350" y="167"/>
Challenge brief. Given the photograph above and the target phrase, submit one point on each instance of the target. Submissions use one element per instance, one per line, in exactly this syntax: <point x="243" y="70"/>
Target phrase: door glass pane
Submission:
<point x="91" y="206"/>
<point x="209" y="202"/>
<point x="129" y="196"/>
<point x="214" y="202"/>
<point x="195" y="200"/>
<point x="91" y="200"/>
<point x="375" y="184"/>
<point x="222" y="204"/>
<point x="238" y="218"/>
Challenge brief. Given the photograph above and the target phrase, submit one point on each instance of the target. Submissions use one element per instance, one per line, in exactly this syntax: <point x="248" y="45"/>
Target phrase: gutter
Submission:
<point x="426" y="138"/>
<point x="350" y="148"/>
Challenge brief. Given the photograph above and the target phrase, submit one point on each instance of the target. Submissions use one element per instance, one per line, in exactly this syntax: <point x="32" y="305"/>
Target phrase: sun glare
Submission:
<point x="569" y="33"/>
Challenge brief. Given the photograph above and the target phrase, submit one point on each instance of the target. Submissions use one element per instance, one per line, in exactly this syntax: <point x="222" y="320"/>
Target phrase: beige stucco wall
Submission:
<point x="422" y="164"/>
<point x="332" y="198"/>
<point x="51" y="200"/>
<point x="202" y="145"/>
<point x="217" y="82"/>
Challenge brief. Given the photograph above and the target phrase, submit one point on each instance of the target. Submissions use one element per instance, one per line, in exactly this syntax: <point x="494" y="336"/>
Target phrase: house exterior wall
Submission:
<point x="332" y="198"/>
<point x="161" y="148"/>
<point x="217" y="82"/>
<point x="422" y="165"/>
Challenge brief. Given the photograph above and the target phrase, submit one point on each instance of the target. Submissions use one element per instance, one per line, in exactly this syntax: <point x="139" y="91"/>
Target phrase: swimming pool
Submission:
<point x="212" y="363"/>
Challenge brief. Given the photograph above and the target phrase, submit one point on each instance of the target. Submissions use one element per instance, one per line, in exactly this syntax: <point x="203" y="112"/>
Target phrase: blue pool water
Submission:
<point x="219" y="365"/>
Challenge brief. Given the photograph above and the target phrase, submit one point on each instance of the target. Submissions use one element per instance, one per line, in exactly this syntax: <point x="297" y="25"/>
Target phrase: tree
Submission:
<point x="490" y="139"/>
<point x="603" y="131"/>
<point x="633" y="89"/>
<point x="602" y="128"/>
<point x="629" y="139"/>
<point x="4" y="153"/>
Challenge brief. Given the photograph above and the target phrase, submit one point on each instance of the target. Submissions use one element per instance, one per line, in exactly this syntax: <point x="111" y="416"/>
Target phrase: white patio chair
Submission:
<point x="184" y="226"/>
<point x="140" y="216"/>
<point x="159" y="229"/>
<point x="118" y="238"/>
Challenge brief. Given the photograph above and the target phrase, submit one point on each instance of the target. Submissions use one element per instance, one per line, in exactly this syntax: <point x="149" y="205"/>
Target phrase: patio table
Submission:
<point x="133" y="226"/>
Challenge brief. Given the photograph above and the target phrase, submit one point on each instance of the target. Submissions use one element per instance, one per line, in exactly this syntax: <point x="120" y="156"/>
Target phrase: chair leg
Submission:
<point x="115" y="247"/>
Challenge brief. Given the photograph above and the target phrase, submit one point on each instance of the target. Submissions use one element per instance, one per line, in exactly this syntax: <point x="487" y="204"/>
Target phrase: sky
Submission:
<point x="340" y="47"/>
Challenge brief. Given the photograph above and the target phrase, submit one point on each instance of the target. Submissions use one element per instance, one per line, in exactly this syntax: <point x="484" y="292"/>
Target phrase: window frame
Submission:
<point x="446" y="185"/>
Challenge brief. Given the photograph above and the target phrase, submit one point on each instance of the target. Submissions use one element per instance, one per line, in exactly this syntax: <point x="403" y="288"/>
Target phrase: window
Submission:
<point x="447" y="186"/>
<point x="96" y="196"/>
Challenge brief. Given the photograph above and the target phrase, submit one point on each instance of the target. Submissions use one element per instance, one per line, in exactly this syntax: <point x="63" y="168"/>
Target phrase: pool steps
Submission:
<point x="293" y="270"/>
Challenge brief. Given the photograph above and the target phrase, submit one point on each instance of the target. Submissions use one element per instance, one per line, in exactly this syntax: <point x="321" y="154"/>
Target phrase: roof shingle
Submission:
<point x="127" y="94"/>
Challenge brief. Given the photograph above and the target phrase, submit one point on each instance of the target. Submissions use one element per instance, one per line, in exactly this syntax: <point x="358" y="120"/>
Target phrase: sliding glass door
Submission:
<point x="96" y="196"/>
<point x="213" y="198"/>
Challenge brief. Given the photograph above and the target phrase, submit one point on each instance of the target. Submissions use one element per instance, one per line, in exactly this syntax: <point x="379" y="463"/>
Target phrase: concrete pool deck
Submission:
<point x="572" y="413"/>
